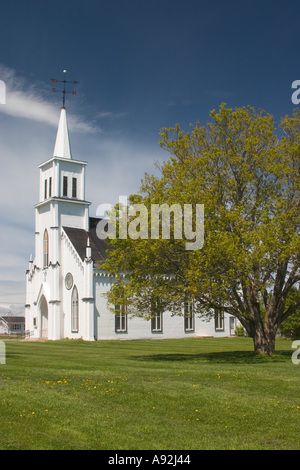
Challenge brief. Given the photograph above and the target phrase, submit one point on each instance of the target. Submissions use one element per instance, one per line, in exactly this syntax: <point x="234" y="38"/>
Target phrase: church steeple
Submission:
<point x="62" y="148"/>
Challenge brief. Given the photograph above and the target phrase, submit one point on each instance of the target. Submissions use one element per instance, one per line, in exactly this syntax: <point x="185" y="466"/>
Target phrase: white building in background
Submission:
<point x="11" y="325"/>
<point x="65" y="287"/>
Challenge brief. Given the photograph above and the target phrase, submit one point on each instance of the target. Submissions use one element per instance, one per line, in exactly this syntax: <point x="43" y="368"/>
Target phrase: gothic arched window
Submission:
<point x="74" y="313"/>
<point x="46" y="249"/>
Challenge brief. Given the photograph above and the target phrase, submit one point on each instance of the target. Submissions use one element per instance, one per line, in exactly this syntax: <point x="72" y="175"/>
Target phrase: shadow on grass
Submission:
<point x="228" y="357"/>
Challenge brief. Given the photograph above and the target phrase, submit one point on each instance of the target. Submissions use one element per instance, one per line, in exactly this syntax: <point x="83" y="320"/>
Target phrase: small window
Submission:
<point x="65" y="186"/>
<point x="219" y="320"/>
<point x="75" y="316"/>
<point x="189" y="323"/>
<point x="121" y="318"/>
<point x="156" y="322"/>
<point x="45" y="190"/>
<point x="50" y="186"/>
<point x="74" y="187"/>
<point x="46" y="249"/>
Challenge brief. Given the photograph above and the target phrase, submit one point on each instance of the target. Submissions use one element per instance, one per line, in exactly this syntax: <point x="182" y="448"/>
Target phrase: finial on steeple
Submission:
<point x="64" y="91"/>
<point x="88" y="250"/>
<point x="30" y="263"/>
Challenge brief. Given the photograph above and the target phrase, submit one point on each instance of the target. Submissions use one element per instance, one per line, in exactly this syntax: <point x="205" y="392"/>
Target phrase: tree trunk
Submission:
<point x="264" y="341"/>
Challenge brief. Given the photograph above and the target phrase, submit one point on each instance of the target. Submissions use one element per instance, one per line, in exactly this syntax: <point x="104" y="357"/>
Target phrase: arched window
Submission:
<point x="74" y="314"/>
<point x="46" y="249"/>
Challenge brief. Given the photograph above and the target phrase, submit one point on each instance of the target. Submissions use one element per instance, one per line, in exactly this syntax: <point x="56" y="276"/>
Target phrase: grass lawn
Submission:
<point x="172" y="394"/>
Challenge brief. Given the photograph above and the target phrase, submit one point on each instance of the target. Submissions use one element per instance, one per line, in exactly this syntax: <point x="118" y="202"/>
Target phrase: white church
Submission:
<point x="64" y="285"/>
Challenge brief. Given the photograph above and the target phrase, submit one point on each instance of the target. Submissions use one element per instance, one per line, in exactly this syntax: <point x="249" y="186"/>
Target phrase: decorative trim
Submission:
<point x="71" y="247"/>
<point x="53" y="159"/>
<point x="53" y="265"/>
<point x="61" y="199"/>
<point x="98" y="273"/>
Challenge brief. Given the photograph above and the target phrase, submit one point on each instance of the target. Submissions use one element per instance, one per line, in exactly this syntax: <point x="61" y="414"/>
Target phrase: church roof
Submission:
<point x="78" y="237"/>
<point x="12" y="319"/>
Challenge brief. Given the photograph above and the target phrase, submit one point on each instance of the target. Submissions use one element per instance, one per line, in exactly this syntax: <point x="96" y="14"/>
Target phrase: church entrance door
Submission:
<point x="44" y="317"/>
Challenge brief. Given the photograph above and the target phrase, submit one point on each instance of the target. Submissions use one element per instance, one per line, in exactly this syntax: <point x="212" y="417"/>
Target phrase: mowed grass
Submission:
<point x="172" y="394"/>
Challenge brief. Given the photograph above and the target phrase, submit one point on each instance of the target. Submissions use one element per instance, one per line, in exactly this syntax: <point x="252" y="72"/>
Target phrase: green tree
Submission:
<point x="246" y="172"/>
<point x="291" y="326"/>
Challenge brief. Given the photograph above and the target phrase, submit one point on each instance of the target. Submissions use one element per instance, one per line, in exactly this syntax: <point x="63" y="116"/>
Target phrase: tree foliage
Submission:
<point x="291" y="326"/>
<point x="246" y="172"/>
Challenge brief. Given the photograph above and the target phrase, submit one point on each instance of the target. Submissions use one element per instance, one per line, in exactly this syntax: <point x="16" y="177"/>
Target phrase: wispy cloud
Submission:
<point x="29" y="106"/>
<point x="12" y="295"/>
<point x="111" y="115"/>
<point x="24" y="100"/>
<point x="221" y="94"/>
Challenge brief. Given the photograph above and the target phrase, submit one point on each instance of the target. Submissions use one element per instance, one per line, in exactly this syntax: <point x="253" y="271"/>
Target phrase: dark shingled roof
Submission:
<point x="12" y="319"/>
<point x="78" y="237"/>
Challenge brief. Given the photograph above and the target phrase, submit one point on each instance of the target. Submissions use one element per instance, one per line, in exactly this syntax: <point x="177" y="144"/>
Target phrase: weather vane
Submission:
<point x="64" y="91"/>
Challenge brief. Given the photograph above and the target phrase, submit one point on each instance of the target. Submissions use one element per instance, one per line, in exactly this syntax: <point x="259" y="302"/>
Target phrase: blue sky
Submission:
<point x="142" y="65"/>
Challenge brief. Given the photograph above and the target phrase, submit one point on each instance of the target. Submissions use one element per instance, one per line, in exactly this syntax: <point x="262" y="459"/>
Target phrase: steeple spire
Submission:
<point x="62" y="146"/>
